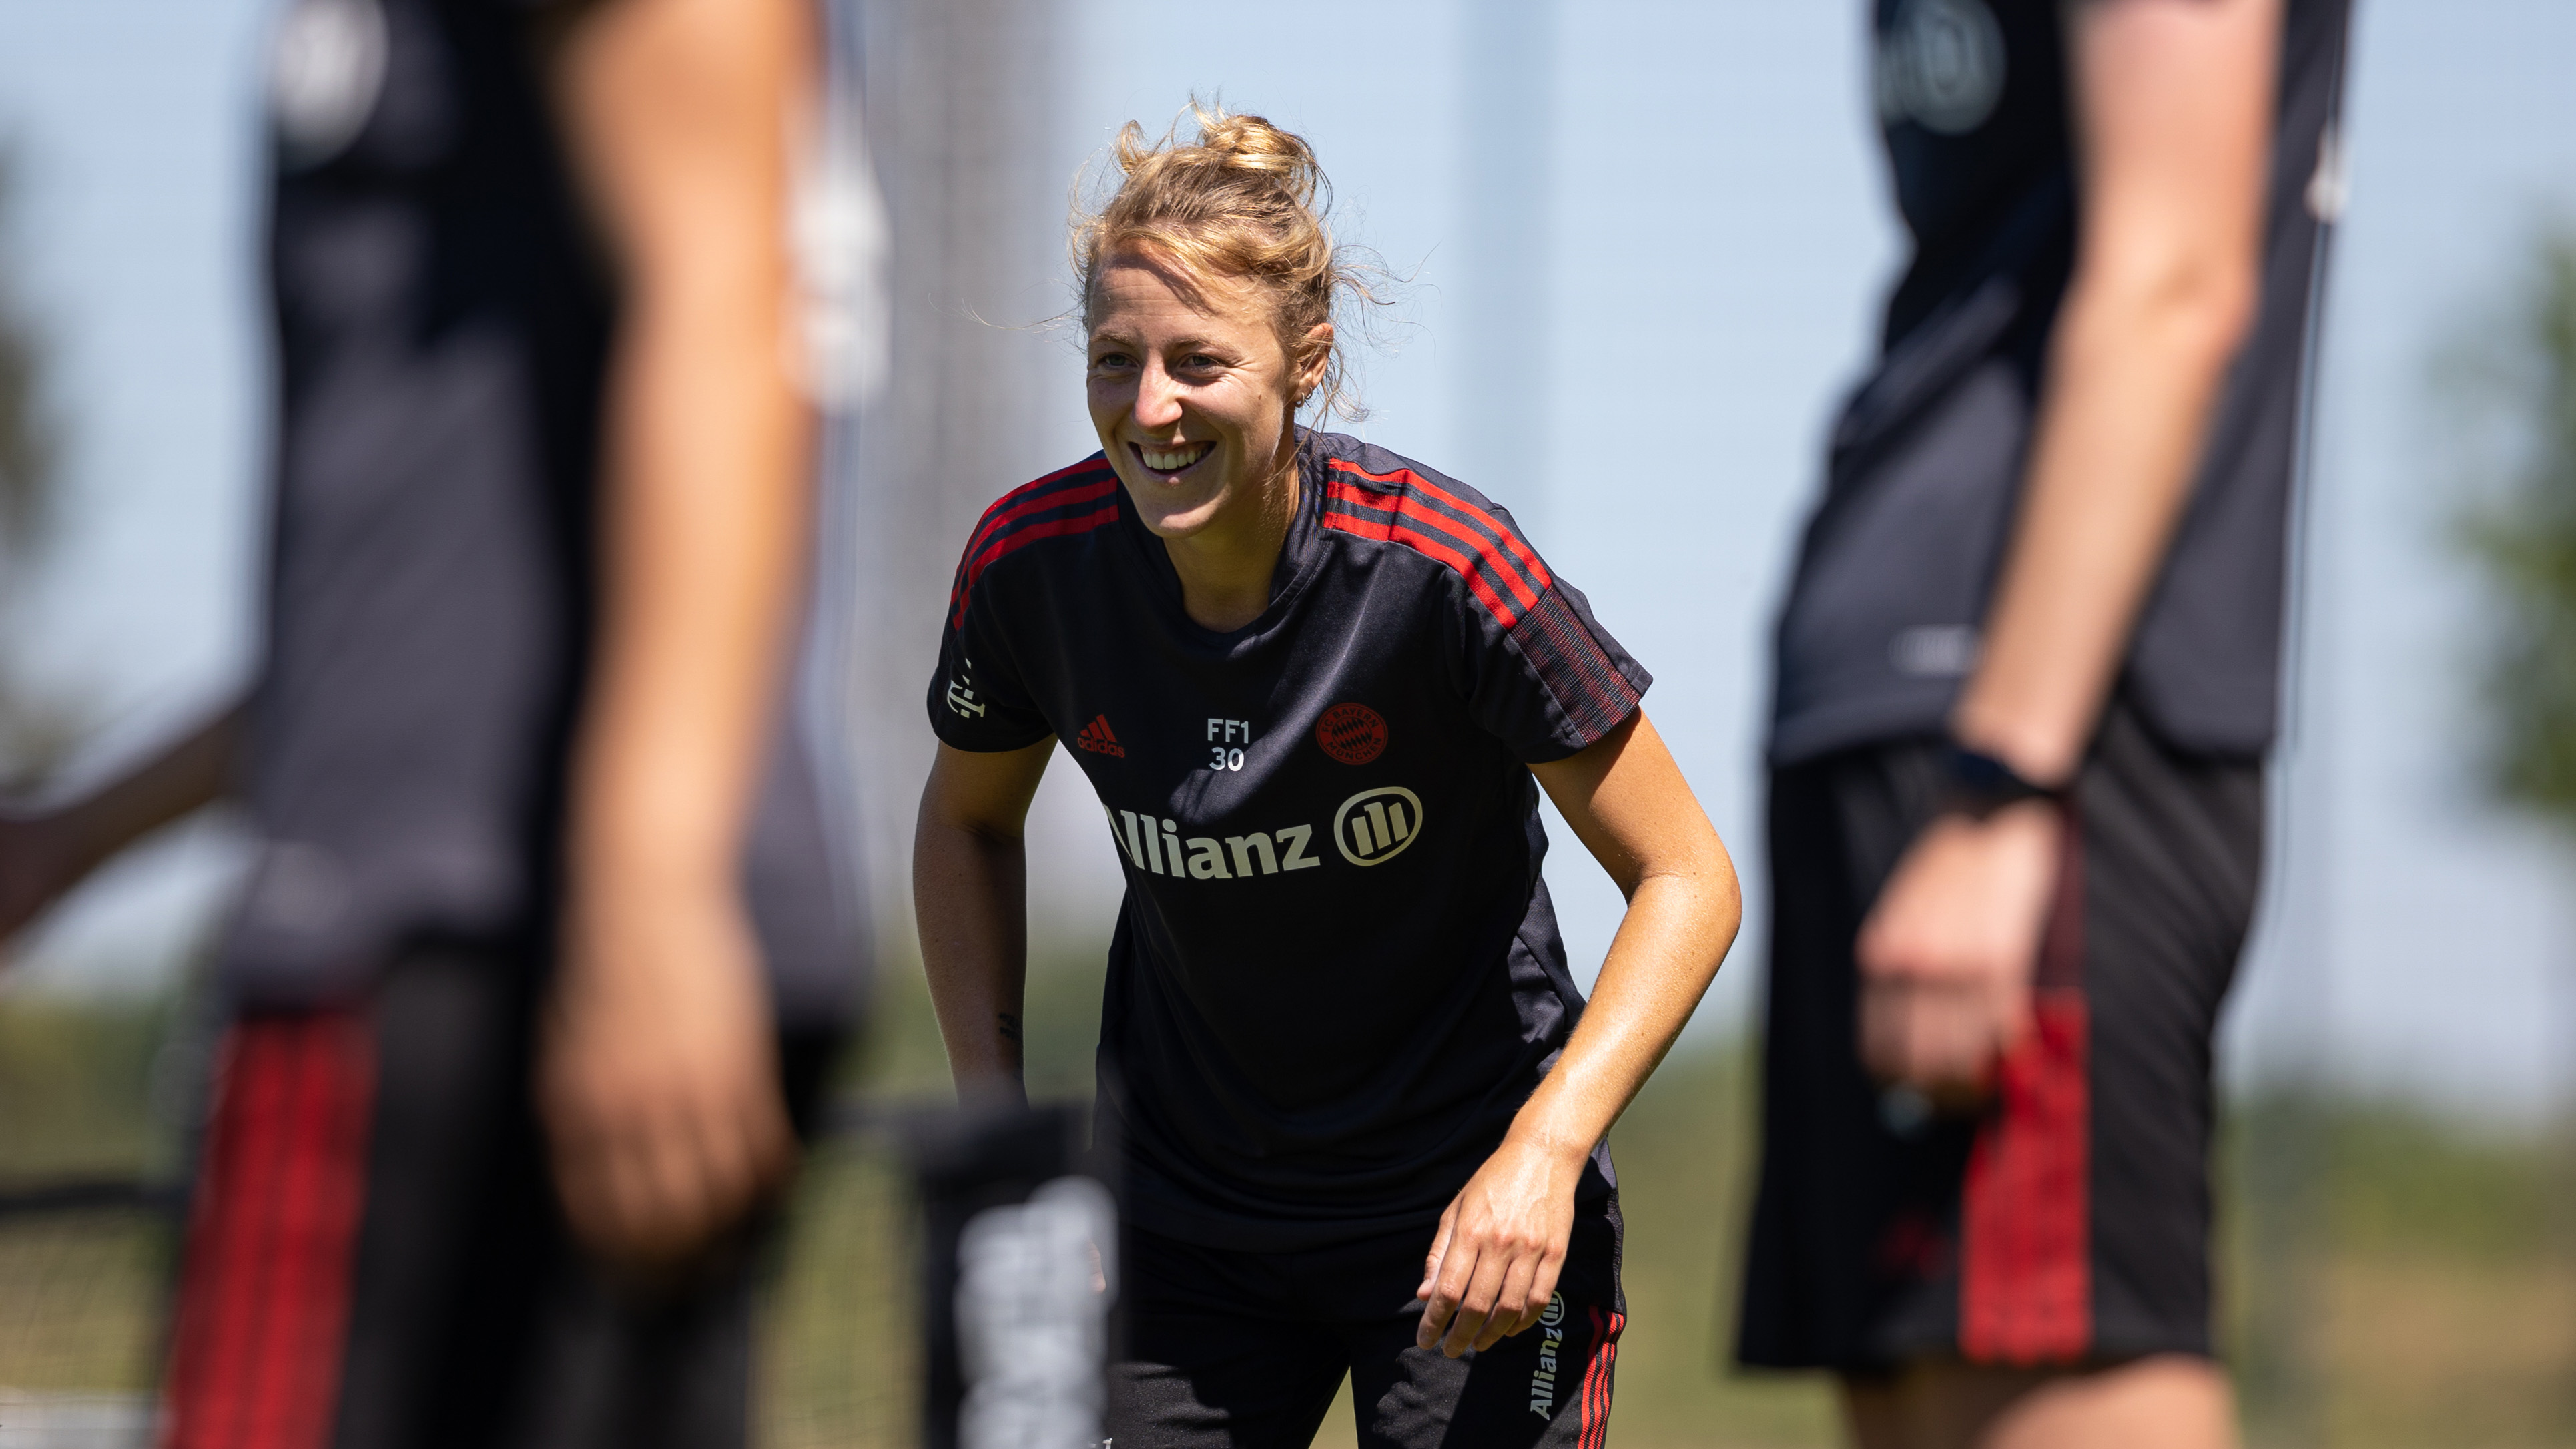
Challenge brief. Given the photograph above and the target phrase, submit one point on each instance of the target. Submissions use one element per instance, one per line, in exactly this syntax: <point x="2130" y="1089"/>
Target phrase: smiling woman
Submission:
<point x="1208" y="289"/>
<point x="1311" y="682"/>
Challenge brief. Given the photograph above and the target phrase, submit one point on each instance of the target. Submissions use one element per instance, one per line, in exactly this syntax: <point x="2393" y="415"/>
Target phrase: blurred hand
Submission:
<point x="658" y="1080"/>
<point x="1493" y="1265"/>
<point x="1946" y="955"/>
<point x="38" y="862"/>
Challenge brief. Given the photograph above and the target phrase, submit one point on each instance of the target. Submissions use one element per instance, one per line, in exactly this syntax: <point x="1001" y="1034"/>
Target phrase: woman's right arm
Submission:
<point x="970" y="898"/>
<point x="44" y="856"/>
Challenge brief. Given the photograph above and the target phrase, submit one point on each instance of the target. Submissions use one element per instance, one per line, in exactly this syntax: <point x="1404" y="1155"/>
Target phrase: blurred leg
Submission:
<point x="2167" y="1401"/>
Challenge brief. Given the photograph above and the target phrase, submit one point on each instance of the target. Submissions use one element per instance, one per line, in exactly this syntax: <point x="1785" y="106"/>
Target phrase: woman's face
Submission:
<point x="1191" y="391"/>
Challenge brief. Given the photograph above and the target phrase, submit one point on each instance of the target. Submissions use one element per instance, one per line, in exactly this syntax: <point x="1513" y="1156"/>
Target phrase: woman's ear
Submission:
<point x="1314" y="355"/>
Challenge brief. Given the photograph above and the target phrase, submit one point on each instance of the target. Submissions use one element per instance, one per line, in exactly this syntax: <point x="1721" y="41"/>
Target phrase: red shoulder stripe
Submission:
<point x="1088" y="479"/>
<point x="1528" y="559"/>
<point x="1437" y="548"/>
<point x="1004" y="529"/>
<point x="1510" y="540"/>
<point x="1012" y="542"/>
<point x="1353" y="509"/>
<point x="1511" y="560"/>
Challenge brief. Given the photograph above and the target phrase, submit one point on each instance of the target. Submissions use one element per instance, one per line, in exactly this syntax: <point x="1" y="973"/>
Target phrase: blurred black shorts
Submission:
<point x="2070" y="1222"/>
<point x="1241" y="1350"/>
<point x="375" y="1259"/>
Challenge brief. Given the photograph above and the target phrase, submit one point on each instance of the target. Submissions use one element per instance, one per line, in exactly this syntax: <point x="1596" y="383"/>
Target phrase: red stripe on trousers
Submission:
<point x="2025" y="1215"/>
<point x="264" y="1294"/>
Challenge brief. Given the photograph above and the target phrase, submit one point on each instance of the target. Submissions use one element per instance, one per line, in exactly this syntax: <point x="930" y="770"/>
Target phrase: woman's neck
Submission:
<point x="1226" y="568"/>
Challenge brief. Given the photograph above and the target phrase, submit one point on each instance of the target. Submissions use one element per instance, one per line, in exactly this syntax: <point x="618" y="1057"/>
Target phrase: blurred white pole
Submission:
<point x="959" y="95"/>
<point x="1501" y="328"/>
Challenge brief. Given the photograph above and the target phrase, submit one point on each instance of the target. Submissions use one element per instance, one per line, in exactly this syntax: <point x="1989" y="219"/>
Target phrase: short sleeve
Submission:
<point x="1552" y="681"/>
<point x="977" y="701"/>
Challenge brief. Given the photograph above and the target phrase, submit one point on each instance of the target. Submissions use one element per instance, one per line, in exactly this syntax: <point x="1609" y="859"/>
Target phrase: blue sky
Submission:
<point x="1718" y="241"/>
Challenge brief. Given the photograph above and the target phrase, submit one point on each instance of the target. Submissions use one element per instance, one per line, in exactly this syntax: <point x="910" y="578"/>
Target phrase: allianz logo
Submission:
<point x="1374" y="826"/>
<point x="1371" y="828"/>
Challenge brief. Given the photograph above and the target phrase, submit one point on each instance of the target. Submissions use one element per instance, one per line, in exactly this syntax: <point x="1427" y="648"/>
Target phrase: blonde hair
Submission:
<point x="1245" y="201"/>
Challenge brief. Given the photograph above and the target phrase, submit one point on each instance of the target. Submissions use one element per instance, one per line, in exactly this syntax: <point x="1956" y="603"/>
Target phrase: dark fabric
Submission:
<point x="1235" y="1350"/>
<point x="1882" y="620"/>
<point x="1313" y="1031"/>
<point x="1854" y="1255"/>
<point x="443" y="325"/>
<point x="474" y="1319"/>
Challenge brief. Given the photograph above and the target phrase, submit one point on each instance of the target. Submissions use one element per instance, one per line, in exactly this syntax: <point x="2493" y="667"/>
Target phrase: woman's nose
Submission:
<point x="1158" y="399"/>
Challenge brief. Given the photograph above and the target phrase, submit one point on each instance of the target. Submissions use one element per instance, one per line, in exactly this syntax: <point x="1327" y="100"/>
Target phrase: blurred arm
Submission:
<point x="660" y="1080"/>
<point x="43" y="856"/>
<point x="1495" y="1260"/>
<point x="2173" y="121"/>
<point x="2173" y="105"/>
<point x="970" y="896"/>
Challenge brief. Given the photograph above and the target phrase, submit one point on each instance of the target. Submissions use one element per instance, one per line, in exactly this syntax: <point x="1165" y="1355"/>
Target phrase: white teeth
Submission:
<point x="1173" y="460"/>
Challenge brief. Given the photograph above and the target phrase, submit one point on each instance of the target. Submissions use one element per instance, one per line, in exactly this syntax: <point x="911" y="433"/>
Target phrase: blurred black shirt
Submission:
<point x="1882" y="621"/>
<point x="443" y="323"/>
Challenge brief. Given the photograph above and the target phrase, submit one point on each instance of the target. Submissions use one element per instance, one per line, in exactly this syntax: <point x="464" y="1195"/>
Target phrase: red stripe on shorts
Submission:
<point x="264" y="1294"/>
<point x="1595" y="1404"/>
<point x="2025" y="1215"/>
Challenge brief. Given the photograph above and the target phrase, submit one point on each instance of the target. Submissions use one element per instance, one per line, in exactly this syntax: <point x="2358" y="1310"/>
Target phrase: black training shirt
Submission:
<point x="1883" y="620"/>
<point x="1336" y="974"/>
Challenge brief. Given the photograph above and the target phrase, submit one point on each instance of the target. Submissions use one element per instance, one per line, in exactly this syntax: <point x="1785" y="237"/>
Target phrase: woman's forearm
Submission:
<point x="678" y="110"/>
<point x="1626" y="800"/>
<point x="970" y="894"/>
<point x="187" y="775"/>
<point x="1676" y="932"/>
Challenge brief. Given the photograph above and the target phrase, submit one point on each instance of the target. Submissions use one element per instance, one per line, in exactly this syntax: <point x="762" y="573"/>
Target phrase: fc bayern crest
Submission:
<point x="1351" y="733"/>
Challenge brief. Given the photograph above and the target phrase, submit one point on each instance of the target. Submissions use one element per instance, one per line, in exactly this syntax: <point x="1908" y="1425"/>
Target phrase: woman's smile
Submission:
<point x="1171" y="459"/>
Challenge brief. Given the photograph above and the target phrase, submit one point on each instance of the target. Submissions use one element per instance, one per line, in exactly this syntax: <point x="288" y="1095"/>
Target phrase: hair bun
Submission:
<point x="1242" y="200"/>
<point x="1252" y="143"/>
<point x="1229" y="142"/>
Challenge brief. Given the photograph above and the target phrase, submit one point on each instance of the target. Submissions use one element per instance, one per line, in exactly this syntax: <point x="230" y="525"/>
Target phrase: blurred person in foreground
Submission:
<point x="1361" y="1103"/>
<point x="2028" y="672"/>
<point x="543" y="956"/>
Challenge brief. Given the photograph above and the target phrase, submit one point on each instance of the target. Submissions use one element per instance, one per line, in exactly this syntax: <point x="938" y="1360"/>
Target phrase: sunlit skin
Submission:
<point x="1195" y="399"/>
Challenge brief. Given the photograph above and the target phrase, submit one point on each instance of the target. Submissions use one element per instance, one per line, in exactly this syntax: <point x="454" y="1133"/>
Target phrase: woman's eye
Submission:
<point x="1112" y="362"/>
<point x="1202" y="362"/>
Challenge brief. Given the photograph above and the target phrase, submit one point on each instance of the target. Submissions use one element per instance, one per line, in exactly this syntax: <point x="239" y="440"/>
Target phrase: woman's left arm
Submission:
<point x="1494" y="1264"/>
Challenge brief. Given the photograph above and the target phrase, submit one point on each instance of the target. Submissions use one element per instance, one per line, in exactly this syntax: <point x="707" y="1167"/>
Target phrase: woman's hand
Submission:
<point x="658" y="1078"/>
<point x="1501" y="1244"/>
